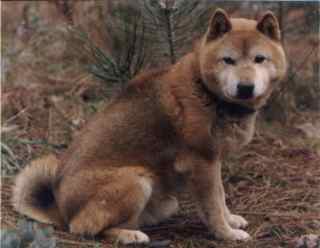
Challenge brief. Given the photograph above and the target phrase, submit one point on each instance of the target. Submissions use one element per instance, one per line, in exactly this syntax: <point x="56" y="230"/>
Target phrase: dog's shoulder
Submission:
<point x="142" y="79"/>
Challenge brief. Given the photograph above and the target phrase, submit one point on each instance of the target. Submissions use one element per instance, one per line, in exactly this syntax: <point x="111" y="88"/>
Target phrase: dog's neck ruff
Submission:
<point x="223" y="107"/>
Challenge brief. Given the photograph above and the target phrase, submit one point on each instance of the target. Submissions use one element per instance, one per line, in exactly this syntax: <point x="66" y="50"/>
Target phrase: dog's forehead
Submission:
<point x="239" y="44"/>
<point x="244" y="34"/>
<point x="242" y="24"/>
<point x="244" y="38"/>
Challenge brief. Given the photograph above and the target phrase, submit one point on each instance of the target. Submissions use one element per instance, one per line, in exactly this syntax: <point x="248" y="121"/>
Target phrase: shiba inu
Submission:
<point x="167" y="128"/>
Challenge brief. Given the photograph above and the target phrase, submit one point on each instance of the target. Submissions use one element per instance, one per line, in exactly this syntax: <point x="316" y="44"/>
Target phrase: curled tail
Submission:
<point x="33" y="194"/>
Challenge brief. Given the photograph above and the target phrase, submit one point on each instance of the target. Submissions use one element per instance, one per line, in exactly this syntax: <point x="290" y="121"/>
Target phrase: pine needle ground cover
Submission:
<point x="274" y="183"/>
<point x="51" y="88"/>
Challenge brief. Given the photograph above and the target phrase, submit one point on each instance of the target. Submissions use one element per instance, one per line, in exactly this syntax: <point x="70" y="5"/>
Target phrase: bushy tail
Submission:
<point x="33" y="194"/>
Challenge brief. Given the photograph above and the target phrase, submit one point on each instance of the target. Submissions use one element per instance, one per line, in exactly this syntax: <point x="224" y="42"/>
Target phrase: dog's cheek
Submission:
<point x="262" y="81"/>
<point x="272" y="71"/>
<point x="209" y="75"/>
<point x="228" y="83"/>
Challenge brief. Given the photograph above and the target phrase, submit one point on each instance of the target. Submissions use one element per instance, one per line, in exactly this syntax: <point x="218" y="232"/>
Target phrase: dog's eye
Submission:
<point x="229" y="61"/>
<point x="259" y="59"/>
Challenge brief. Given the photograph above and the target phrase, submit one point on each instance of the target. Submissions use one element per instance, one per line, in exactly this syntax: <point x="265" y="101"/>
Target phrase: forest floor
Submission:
<point x="274" y="182"/>
<point x="47" y="96"/>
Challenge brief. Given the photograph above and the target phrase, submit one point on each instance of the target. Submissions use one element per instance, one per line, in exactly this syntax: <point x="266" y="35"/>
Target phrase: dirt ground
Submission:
<point x="47" y="97"/>
<point x="274" y="183"/>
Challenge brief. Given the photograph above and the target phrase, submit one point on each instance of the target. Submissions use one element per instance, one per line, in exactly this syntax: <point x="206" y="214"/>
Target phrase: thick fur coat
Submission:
<point x="167" y="129"/>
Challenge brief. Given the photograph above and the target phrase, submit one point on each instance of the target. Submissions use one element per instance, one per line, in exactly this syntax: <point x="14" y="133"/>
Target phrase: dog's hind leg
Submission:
<point x="115" y="210"/>
<point x="159" y="209"/>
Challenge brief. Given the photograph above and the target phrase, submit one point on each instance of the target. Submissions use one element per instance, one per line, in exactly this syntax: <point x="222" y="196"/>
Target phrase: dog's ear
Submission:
<point x="269" y="26"/>
<point x="219" y="25"/>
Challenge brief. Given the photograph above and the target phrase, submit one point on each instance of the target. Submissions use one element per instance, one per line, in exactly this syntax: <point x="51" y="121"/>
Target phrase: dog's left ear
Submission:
<point x="269" y="26"/>
<point x="219" y="25"/>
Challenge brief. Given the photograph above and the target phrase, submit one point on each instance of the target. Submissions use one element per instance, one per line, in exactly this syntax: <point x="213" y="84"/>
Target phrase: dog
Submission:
<point x="167" y="129"/>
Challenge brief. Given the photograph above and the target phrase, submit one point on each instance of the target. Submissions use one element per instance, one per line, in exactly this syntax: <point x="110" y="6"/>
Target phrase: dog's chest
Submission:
<point x="232" y="131"/>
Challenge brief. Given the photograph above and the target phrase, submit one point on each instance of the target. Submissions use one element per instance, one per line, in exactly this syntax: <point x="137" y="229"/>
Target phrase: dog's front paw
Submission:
<point x="234" y="234"/>
<point x="238" y="234"/>
<point x="237" y="221"/>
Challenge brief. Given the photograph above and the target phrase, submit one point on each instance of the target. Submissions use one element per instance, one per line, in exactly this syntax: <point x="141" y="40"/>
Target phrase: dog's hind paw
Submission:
<point x="237" y="221"/>
<point x="133" y="237"/>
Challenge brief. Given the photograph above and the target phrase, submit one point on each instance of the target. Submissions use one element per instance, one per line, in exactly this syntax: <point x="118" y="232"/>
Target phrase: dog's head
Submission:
<point x="242" y="60"/>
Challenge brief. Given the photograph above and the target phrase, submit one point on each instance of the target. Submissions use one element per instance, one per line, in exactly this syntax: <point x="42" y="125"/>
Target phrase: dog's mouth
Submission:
<point x="227" y="104"/>
<point x="241" y="100"/>
<point x="234" y="106"/>
<point x="253" y="102"/>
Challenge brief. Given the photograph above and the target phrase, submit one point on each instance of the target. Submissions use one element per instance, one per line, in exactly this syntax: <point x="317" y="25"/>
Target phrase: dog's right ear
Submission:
<point x="219" y="25"/>
<point x="269" y="26"/>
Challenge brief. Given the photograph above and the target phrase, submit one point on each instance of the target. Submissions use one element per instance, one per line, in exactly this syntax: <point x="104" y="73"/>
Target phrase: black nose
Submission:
<point x="245" y="90"/>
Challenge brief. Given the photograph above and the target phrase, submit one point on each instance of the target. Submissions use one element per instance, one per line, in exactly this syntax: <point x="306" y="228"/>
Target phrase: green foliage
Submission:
<point x="28" y="234"/>
<point x="17" y="152"/>
<point x="173" y="25"/>
<point x="9" y="239"/>
<point x="126" y="55"/>
<point x="106" y="68"/>
<point x="154" y="33"/>
<point x="9" y="161"/>
<point x="151" y="32"/>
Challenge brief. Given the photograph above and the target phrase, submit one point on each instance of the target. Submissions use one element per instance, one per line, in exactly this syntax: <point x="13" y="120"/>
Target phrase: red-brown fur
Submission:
<point x="167" y="128"/>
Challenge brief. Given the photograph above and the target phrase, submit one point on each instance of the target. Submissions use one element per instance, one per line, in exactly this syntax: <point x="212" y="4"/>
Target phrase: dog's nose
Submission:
<point x="245" y="90"/>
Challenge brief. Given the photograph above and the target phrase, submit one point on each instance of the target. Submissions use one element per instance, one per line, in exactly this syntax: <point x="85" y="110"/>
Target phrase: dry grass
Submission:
<point x="274" y="183"/>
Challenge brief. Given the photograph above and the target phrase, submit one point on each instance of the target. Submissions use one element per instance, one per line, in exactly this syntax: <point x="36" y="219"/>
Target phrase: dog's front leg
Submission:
<point x="234" y="220"/>
<point x="205" y="185"/>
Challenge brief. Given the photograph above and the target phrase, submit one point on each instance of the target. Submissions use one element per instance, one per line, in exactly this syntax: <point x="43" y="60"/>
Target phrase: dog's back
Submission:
<point x="121" y="172"/>
<point x="132" y="130"/>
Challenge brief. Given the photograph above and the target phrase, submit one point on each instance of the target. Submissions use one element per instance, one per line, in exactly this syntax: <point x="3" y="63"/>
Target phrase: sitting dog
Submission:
<point x="167" y="129"/>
